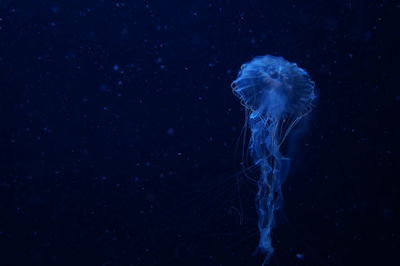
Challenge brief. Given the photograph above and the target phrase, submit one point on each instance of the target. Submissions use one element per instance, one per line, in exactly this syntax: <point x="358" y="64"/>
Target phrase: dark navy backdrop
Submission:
<point x="118" y="132"/>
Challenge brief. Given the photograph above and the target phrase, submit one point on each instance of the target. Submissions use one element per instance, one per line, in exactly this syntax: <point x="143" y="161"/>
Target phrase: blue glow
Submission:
<point x="276" y="95"/>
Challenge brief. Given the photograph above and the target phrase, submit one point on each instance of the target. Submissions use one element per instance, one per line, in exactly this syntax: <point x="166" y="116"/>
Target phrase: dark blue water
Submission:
<point x="119" y="129"/>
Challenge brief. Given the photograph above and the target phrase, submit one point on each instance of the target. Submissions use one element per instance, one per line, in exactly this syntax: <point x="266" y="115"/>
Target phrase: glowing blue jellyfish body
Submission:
<point x="276" y="95"/>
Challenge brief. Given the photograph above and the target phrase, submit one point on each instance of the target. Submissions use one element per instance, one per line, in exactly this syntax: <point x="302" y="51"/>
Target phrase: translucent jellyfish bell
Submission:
<point x="274" y="87"/>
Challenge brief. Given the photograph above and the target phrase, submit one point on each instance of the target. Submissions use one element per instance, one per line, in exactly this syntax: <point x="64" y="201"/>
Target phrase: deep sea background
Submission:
<point x="119" y="132"/>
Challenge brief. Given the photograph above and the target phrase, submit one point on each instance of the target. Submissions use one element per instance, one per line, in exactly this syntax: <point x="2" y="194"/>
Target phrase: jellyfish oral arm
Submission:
<point x="274" y="169"/>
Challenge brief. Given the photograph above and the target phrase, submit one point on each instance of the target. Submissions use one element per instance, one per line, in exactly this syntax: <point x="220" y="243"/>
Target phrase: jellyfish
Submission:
<point x="276" y="95"/>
